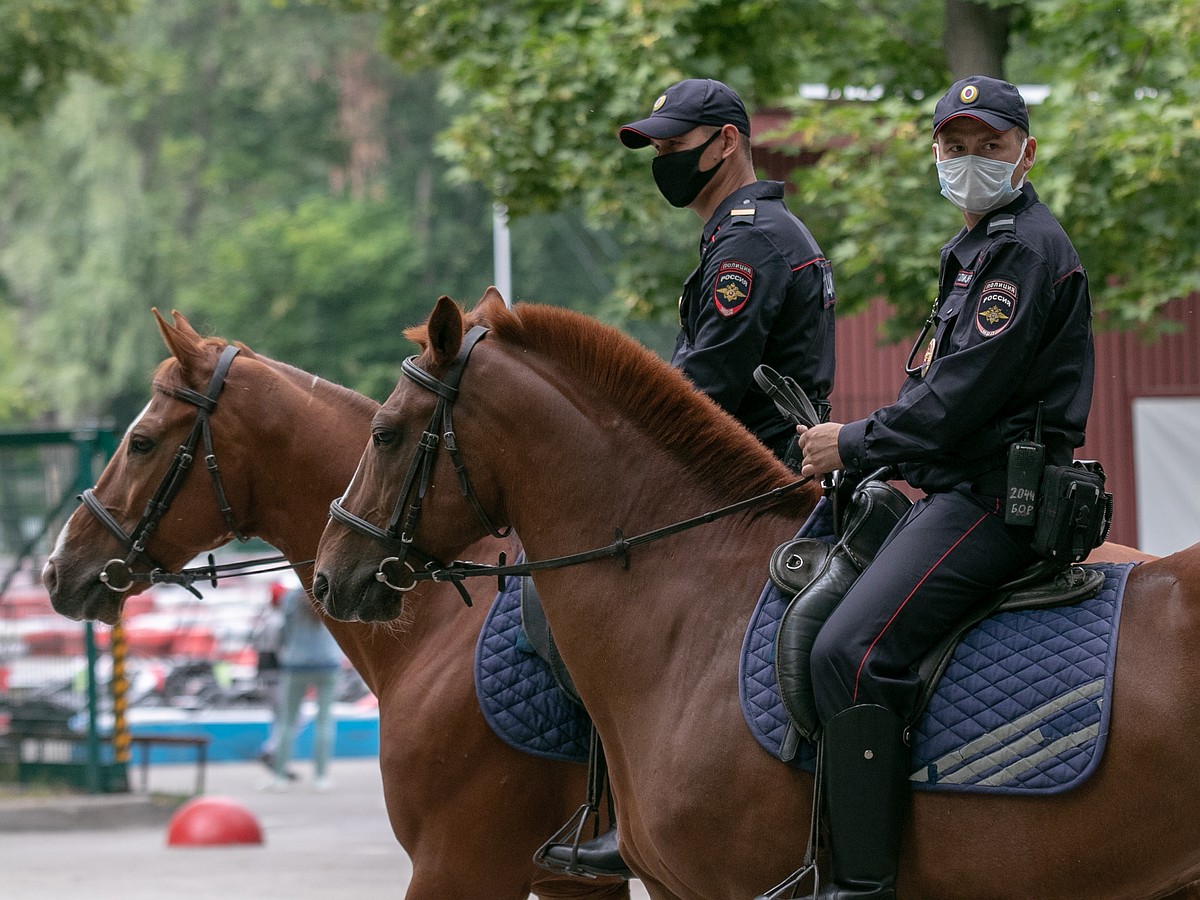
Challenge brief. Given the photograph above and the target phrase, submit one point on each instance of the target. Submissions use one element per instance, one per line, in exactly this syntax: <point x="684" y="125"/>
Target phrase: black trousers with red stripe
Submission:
<point x="944" y="558"/>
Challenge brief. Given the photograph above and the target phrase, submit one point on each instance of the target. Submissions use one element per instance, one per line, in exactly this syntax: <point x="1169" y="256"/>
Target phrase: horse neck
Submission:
<point x="689" y="595"/>
<point x="308" y="438"/>
<point x="599" y="469"/>
<point x="316" y="432"/>
<point x="308" y="443"/>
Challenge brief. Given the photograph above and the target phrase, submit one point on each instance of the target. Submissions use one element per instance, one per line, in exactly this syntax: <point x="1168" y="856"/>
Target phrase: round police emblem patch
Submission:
<point x="997" y="306"/>
<point x="731" y="289"/>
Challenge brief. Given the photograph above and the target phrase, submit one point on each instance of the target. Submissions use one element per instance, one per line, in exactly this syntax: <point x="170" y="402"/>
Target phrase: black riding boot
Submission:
<point x="866" y="789"/>
<point x="599" y="856"/>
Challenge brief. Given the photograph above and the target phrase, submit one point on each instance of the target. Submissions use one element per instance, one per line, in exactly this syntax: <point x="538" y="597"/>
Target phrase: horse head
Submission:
<point x="413" y="462"/>
<point x="178" y="484"/>
<point x="502" y="412"/>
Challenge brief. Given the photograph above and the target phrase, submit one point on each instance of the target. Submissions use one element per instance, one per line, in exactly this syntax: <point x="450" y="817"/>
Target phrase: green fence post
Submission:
<point x="85" y="443"/>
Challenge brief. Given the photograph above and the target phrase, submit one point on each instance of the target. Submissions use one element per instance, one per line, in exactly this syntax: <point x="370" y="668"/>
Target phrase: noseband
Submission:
<point x="116" y="570"/>
<point x="439" y="430"/>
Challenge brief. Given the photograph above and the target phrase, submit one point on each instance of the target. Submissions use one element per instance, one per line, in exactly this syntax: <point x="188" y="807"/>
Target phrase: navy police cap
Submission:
<point x="696" y="101"/>
<point x="996" y="103"/>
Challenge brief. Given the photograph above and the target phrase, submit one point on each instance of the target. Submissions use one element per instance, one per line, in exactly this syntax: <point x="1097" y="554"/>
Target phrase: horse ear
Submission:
<point x="445" y="330"/>
<point x="184" y="325"/>
<point x="492" y="295"/>
<point x="181" y="339"/>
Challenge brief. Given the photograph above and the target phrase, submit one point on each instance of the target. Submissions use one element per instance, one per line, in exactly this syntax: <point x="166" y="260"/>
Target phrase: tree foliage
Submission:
<point x="538" y="88"/>
<point x="267" y="167"/>
<point x="1118" y="149"/>
<point x="42" y="42"/>
<point x="282" y="191"/>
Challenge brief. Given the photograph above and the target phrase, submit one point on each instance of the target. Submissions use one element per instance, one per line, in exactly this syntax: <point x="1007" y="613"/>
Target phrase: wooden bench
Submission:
<point x="145" y="742"/>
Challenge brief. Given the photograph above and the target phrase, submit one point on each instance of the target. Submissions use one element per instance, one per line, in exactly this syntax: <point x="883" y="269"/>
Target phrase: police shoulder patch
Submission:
<point x="997" y="306"/>
<point x="731" y="288"/>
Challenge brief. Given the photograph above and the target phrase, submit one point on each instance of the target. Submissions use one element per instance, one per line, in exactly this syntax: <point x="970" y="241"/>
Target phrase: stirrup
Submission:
<point x="786" y="889"/>
<point x="571" y="834"/>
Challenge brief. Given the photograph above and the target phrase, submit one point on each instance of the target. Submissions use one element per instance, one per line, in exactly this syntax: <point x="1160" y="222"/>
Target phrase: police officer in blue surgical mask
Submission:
<point x="762" y="294"/>
<point x="1010" y="333"/>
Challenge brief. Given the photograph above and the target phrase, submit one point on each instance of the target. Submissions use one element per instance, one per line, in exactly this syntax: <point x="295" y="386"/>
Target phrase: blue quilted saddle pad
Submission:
<point x="521" y="701"/>
<point x="519" y="697"/>
<point x="1022" y="708"/>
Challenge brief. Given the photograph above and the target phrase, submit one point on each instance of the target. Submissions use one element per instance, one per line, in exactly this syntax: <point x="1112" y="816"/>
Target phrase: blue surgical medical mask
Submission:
<point x="977" y="184"/>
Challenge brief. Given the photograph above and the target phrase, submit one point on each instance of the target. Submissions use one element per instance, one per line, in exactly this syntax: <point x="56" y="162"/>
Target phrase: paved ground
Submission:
<point x="328" y="845"/>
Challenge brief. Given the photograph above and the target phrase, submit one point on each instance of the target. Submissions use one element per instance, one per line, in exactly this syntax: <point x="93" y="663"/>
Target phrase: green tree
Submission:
<point x="1119" y="148"/>
<point x="76" y="230"/>
<point x="284" y="192"/>
<point x="42" y="42"/>
<point x="538" y="88"/>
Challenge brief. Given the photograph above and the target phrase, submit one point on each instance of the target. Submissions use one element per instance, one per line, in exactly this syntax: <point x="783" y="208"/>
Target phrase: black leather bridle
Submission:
<point x="416" y="483"/>
<point x="403" y="524"/>
<point x="117" y="574"/>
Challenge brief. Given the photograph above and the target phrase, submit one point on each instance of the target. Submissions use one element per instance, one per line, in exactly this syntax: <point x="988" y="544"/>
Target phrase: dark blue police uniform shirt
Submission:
<point x="1013" y="327"/>
<point x="763" y="293"/>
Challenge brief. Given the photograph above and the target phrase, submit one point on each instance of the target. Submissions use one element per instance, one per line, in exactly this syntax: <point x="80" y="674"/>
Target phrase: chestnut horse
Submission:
<point x="569" y="431"/>
<point x="469" y="810"/>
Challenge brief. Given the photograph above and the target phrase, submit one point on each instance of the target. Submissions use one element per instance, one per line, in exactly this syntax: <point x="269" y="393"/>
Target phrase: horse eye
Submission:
<point x="382" y="438"/>
<point x="141" y="444"/>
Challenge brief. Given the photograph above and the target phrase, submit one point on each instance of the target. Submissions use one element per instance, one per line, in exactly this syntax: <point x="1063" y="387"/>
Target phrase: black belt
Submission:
<point x="991" y="484"/>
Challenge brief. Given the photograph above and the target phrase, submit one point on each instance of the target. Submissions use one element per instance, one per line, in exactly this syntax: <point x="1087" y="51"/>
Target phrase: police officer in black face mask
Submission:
<point x="762" y="294"/>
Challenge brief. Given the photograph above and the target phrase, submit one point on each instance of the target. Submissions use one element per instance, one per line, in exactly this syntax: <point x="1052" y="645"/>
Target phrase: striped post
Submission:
<point x="120" y="687"/>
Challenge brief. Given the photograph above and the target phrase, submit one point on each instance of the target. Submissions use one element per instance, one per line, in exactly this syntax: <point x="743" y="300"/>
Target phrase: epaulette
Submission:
<point x="1001" y="224"/>
<point x="742" y="214"/>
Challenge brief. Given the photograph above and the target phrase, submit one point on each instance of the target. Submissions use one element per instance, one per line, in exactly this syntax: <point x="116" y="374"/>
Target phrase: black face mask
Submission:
<point x="678" y="174"/>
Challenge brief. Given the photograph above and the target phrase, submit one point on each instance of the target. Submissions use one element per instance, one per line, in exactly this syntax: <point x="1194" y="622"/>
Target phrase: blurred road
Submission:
<point x="327" y="845"/>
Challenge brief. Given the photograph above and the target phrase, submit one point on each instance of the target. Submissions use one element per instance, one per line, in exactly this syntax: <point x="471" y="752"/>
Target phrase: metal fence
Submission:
<point x="50" y="693"/>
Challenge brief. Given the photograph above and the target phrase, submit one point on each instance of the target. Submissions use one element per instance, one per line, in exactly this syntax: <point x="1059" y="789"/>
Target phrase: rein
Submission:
<point x="418" y="476"/>
<point x="459" y="569"/>
<point x="116" y="570"/>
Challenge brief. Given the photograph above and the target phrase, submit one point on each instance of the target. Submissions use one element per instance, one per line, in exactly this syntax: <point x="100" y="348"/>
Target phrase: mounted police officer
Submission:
<point x="762" y="294"/>
<point x="1010" y="333"/>
<point x="763" y="291"/>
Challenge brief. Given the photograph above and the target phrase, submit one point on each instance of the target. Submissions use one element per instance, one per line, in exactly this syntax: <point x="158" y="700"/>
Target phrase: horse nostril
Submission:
<point x="320" y="587"/>
<point x="50" y="577"/>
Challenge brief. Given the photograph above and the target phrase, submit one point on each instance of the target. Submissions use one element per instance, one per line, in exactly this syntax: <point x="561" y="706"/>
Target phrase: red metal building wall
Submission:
<point x="869" y="374"/>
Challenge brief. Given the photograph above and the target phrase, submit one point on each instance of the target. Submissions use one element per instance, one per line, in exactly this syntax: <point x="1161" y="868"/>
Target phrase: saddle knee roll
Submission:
<point x="797" y="633"/>
<point x="875" y="509"/>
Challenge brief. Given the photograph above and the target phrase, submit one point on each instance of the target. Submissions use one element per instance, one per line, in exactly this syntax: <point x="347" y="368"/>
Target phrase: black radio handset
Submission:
<point x="1026" y="460"/>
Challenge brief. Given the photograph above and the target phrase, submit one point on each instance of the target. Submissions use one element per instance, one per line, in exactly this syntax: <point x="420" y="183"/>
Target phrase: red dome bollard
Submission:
<point x="212" y="821"/>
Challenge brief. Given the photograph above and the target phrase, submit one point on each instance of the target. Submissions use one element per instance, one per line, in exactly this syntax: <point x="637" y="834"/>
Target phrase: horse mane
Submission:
<point x="168" y="372"/>
<point x="648" y="392"/>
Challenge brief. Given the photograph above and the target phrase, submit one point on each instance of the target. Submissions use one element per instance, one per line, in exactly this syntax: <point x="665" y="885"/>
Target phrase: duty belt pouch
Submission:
<point x="1074" y="511"/>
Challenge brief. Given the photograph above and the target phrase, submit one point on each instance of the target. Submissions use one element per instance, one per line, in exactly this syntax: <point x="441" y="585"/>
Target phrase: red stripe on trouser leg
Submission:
<point x="916" y="587"/>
